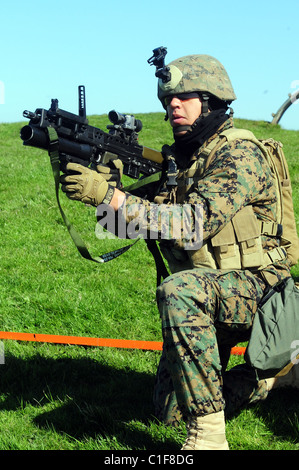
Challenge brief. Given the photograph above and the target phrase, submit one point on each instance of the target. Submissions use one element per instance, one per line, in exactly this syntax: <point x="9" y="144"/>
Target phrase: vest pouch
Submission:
<point x="248" y="235"/>
<point x="226" y="250"/>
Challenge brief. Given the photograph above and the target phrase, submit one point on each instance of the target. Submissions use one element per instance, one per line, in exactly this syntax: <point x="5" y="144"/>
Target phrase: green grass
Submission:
<point x="72" y="397"/>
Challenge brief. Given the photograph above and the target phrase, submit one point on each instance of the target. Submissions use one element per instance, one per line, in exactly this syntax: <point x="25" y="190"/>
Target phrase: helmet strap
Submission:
<point x="178" y="129"/>
<point x="205" y="104"/>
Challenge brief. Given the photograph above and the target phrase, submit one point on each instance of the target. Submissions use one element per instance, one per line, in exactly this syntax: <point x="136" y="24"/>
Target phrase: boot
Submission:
<point x="206" y="433"/>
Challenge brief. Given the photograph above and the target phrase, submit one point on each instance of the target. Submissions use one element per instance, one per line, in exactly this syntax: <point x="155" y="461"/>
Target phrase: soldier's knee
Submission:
<point x="185" y="294"/>
<point x="165" y="289"/>
<point x="166" y="295"/>
<point x="173" y="297"/>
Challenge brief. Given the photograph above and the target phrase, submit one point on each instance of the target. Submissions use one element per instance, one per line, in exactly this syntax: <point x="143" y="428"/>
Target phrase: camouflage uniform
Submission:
<point x="208" y="303"/>
<point x="205" y="311"/>
<point x="207" y="306"/>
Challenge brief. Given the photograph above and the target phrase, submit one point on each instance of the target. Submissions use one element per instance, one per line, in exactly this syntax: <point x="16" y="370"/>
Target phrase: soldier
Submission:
<point x="208" y="303"/>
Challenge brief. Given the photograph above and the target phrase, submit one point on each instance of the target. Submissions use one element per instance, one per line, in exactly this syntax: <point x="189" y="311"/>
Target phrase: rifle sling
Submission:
<point x="161" y="269"/>
<point x="143" y="181"/>
<point x="79" y="243"/>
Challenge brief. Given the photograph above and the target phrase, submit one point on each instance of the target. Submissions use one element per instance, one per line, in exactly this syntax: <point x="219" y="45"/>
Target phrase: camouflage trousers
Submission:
<point x="205" y="313"/>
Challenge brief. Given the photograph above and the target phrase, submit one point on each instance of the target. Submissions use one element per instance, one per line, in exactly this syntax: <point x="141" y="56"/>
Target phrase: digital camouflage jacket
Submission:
<point x="213" y="216"/>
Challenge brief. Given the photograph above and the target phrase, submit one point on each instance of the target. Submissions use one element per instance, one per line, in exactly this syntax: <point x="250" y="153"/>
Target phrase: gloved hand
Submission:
<point x="112" y="172"/>
<point x="82" y="184"/>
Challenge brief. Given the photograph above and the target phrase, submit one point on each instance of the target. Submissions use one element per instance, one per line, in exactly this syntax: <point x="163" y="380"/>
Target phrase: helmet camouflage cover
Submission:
<point x="197" y="73"/>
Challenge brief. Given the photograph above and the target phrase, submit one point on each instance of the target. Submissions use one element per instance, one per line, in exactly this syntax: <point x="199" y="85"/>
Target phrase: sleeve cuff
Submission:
<point x="109" y="195"/>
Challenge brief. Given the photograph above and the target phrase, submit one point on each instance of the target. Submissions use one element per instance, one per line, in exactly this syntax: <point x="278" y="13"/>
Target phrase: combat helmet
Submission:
<point x="197" y="73"/>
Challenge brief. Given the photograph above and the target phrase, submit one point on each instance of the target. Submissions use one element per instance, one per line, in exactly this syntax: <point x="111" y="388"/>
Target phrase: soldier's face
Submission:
<point x="183" y="112"/>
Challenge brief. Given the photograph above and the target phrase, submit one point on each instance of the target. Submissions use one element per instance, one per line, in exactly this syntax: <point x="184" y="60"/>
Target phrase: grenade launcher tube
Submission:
<point x="37" y="137"/>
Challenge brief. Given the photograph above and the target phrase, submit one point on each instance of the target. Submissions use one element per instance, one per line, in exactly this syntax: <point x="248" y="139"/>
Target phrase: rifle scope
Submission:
<point x="126" y="121"/>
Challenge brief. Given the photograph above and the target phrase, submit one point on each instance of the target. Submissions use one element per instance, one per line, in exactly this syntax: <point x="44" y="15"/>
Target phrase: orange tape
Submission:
<point x="86" y="341"/>
<point x="238" y="350"/>
<point x="82" y="341"/>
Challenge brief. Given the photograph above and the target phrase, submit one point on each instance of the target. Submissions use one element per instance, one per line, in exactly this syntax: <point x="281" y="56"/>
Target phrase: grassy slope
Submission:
<point x="68" y="397"/>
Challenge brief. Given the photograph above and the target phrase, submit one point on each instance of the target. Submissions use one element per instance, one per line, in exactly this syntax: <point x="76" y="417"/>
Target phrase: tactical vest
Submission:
<point x="239" y="244"/>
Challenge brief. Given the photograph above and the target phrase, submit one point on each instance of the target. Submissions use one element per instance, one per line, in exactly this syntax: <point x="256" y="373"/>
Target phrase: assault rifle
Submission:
<point x="88" y="145"/>
<point x="69" y="138"/>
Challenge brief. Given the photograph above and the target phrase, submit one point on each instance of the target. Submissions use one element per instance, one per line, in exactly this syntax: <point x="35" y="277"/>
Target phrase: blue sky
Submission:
<point x="49" y="48"/>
